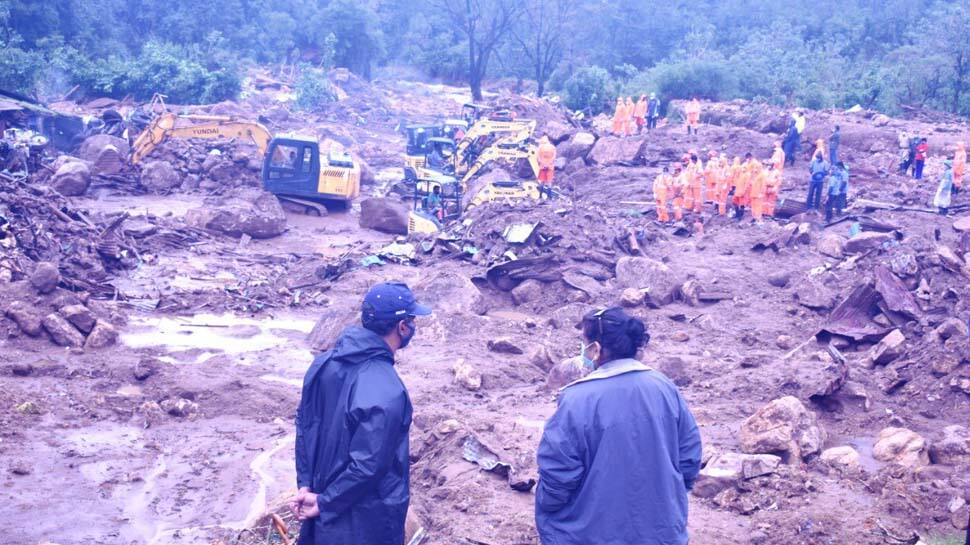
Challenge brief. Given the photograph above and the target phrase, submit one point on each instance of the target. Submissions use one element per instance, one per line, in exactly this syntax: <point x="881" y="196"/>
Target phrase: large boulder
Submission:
<point x="384" y="215"/>
<point x="45" y="277"/>
<point x="79" y="316"/>
<point x="107" y="154"/>
<point x="63" y="333"/>
<point x="867" y="240"/>
<point x="832" y="245"/>
<point x="448" y="293"/>
<point x="159" y="176"/>
<point x="26" y="317"/>
<point x="577" y="146"/>
<point x="254" y="213"/>
<point x="954" y="448"/>
<point x="845" y="457"/>
<point x="901" y="446"/>
<point x="658" y="280"/>
<point x="566" y="372"/>
<point x="103" y="334"/>
<point x="784" y="427"/>
<point x="557" y="131"/>
<point x="611" y="150"/>
<point x="72" y="179"/>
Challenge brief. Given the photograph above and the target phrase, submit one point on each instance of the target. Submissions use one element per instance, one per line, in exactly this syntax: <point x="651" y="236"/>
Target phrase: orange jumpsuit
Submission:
<point x="618" y="116"/>
<point x="679" y="190"/>
<point x="628" y="117"/>
<point x="693" y="200"/>
<point x="724" y="184"/>
<point x="756" y="193"/>
<point x="712" y="177"/>
<point x="772" y="187"/>
<point x="742" y="181"/>
<point x="662" y="187"/>
<point x="778" y="158"/>
<point x="640" y="112"/>
<point x="959" y="164"/>
<point x="693" y="111"/>
<point x="547" y="162"/>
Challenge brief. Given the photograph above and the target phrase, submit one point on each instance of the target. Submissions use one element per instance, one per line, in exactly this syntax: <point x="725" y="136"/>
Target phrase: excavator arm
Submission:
<point x="509" y="153"/>
<point x="513" y="132"/>
<point x="204" y="126"/>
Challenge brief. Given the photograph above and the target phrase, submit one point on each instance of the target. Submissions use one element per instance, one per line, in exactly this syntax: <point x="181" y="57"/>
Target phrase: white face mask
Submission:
<point x="584" y="349"/>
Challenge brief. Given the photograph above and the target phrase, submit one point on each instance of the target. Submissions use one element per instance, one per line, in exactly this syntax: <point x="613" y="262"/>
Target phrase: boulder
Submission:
<point x="725" y="469"/>
<point x="26" y="317"/>
<point x="449" y="293"/>
<point x="844" y="457"/>
<point x="334" y="319"/>
<point x="814" y="296"/>
<point x="950" y="259"/>
<point x="867" y="240"/>
<point x="79" y="316"/>
<point x="568" y="316"/>
<point x="660" y="281"/>
<point x="674" y="368"/>
<point x="62" y="332"/>
<point x="612" y="150"/>
<point x="107" y="154"/>
<point x="384" y="215"/>
<point x="954" y="448"/>
<point x="888" y="348"/>
<point x="159" y="176"/>
<point x="45" y="277"/>
<point x="254" y="213"/>
<point x="784" y="427"/>
<point x="576" y="147"/>
<point x="180" y="407"/>
<point x="952" y="327"/>
<point x="779" y="279"/>
<point x="566" y="372"/>
<point x="467" y="376"/>
<point x="527" y="292"/>
<point x="901" y="446"/>
<point x="962" y="224"/>
<point x="557" y="132"/>
<point x="832" y="245"/>
<point x="504" y="345"/>
<point x="631" y="297"/>
<point x="904" y="265"/>
<point x="103" y="334"/>
<point x="72" y="179"/>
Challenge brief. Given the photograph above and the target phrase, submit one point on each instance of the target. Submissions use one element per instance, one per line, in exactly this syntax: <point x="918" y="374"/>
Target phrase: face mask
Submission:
<point x="587" y="363"/>
<point x="406" y="339"/>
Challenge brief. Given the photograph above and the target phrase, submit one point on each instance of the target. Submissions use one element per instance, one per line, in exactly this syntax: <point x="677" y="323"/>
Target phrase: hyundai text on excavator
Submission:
<point x="293" y="168"/>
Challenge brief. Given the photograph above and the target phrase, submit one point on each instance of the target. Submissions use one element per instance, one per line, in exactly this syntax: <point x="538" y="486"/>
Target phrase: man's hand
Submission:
<point x="297" y="500"/>
<point x="308" y="507"/>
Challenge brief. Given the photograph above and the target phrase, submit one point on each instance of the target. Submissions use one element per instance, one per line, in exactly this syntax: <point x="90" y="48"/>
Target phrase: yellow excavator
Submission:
<point x="293" y="168"/>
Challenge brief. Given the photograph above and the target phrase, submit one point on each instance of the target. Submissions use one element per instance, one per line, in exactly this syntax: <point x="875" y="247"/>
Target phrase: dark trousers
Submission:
<point x="834" y="203"/>
<point x="652" y="122"/>
<point x="918" y="170"/>
<point x="814" y="195"/>
<point x="833" y="155"/>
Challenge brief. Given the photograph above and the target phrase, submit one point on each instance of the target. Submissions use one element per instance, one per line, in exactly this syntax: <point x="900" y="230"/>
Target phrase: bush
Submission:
<point x="19" y="69"/>
<point x="588" y="89"/>
<point x="314" y="90"/>
<point x="693" y="78"/>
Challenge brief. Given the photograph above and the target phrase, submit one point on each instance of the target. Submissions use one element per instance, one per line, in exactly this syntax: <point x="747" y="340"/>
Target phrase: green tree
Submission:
<point x="588" y="90"/>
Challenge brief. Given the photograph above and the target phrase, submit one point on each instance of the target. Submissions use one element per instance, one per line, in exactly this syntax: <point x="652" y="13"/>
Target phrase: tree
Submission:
<point x="484" y="24"/>
<point x="943" y="35"/>
<point x="541" y="33"/>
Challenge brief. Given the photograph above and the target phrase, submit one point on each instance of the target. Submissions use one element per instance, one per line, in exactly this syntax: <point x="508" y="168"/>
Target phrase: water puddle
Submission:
<point x="198" y="339"/>
<point x="863" y="445"/>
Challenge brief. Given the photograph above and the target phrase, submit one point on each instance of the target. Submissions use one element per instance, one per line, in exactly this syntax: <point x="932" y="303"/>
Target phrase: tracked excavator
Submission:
<point x="293" y="167"/>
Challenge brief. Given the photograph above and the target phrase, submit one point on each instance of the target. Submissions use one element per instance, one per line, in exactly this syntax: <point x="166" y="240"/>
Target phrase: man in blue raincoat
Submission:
<point x="618" y="457"/>
<point x="352" y="429"/>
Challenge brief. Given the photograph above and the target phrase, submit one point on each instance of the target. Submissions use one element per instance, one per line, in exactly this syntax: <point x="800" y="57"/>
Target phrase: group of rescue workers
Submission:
<point x="630" y="117"/>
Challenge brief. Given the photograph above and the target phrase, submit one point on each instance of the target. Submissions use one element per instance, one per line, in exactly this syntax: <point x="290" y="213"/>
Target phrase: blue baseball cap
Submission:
<point x="389" y="301"/>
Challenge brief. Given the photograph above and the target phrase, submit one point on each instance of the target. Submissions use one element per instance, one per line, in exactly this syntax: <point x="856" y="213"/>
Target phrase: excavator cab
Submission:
<point x="417" y="146"/>
<point x="435" y="203"/>
<point x="293" y="169"/>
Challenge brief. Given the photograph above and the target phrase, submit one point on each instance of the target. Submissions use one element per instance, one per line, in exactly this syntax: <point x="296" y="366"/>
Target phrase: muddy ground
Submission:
<point x="182" y="431"/>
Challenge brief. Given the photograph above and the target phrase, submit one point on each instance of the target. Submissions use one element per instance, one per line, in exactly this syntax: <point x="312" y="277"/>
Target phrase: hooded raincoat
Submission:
<point x="352" y="443"/>
<point x="616" y="460"/>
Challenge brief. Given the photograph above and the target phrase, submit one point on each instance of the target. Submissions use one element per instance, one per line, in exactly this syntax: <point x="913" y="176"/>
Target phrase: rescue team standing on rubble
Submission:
<point x="616" y="460"/>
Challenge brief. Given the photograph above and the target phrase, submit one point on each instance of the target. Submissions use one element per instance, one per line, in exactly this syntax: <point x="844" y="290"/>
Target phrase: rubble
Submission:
<point x="888" y="349"/>
<point x="724" y="470"/>
<point x="783" y="427"/>
<point x="504" y="346"/>
<point x="901" y="446"/>
<point x="159" y="176"/>
<point x="867" y="241"/>
<point x="953" y="448"/>
<point x="467" y="376"/>
<point x="72" y="179"/>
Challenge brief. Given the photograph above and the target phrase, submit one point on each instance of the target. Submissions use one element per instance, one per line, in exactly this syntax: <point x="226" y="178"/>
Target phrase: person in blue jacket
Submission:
<point x="352" y="429"/>
<point x="622" y="450"/>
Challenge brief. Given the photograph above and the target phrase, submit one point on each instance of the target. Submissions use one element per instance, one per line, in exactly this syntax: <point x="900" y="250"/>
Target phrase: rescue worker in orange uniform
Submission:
<point x="959" y="167"/>
<point x="778" y="158"/>
<point x="756" y="191"/>
<point x="724" y="184"/>
<point x="618" y="116"/>
<point x="662" y="187"/>
<point x="693" y="200"/>
<point x="772" y="187"/>
<point x="742" y="183"/>
<point x="628" y="117"/>
<point x="693" y="112"/>
<point x="547" y="165"/>
<point x="640" y="113"/>
<point x="679" y="189"/>
<point x="712" y="176"/>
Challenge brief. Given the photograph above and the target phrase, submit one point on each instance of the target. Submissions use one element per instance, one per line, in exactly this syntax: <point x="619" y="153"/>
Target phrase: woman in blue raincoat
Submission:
<point x="944" y="192"/>
<point x="618" y="457"/>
